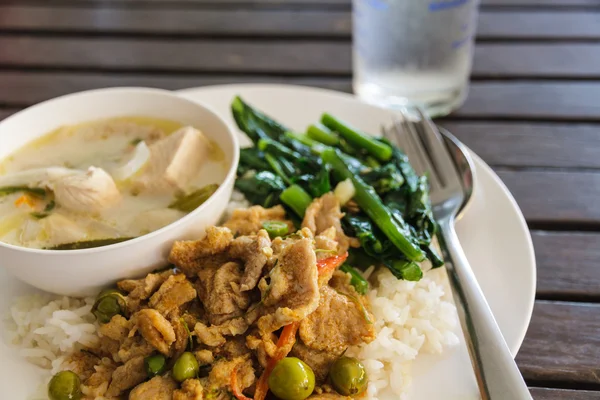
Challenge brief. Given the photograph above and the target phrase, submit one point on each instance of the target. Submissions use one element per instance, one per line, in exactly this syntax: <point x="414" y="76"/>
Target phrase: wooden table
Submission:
<point x="533" y="114"/>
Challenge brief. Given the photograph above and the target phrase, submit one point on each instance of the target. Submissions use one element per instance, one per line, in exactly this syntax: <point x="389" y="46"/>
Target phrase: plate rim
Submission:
<point x="531" y="260"/>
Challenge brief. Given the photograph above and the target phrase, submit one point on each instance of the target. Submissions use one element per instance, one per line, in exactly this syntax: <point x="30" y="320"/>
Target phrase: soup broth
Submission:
<point x="109" y="179"/>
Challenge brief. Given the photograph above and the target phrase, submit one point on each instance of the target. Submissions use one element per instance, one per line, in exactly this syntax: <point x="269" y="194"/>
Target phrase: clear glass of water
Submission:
<point x="414" y="52"/>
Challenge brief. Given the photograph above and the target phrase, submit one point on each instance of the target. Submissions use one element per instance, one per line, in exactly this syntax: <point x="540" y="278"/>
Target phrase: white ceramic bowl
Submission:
<point x="84" y="272"/>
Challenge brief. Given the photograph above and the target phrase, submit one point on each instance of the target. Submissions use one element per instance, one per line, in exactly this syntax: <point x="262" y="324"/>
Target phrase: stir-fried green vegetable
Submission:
<point x="361" y="227"/>
<point x="255" y="124"/>
<point x="384" y="179"/>
<point x="275" y="228"/>
<point x="278" y="150"/>
<point x="190" y="202"/>
<point x="296" y="198"/>
<point x="376" y="248"/>
<point x="371" y="204"/>
<point x="261" y="188"/>
<point x="360" y="284"/>
<point x="323" y="134"/>
<point x="391" y="211"/>
<point x="379" y="150"/>
<point x="306" y="140"/>
<point x="251" y="158"/>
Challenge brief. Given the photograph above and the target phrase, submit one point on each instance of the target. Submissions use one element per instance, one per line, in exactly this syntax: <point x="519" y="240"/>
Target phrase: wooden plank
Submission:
<point x="203" y="3"/>
<point x="555" y="196"/>
<point x="537" y="60"/>
<point x="538" y="24"/>
<point x="518" y="144"/>
<point x="323" y="3"/>
<point x="177" y="55"/>
<point x="200" y="3"/>
<point x="568" y="265"/>
<point x="516" y="100"/>
<point x="268" y="22"/>
<point x="539" y="3"/>
<point x="533" y="100"/>
<point x="279" y="56"/>
<point x="154" y="21"/>
<point x="562" y="344"/>
<point x="563" y="394"/>
<point x="27" y="88"/>
<point x="7" y="112"/>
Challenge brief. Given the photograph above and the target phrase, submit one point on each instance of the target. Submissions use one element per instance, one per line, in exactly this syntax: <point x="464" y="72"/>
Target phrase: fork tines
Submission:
<point x="425" y="147"/>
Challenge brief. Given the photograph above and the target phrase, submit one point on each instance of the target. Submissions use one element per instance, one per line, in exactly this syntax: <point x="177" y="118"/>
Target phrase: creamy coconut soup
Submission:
<point x="105" y="181"/>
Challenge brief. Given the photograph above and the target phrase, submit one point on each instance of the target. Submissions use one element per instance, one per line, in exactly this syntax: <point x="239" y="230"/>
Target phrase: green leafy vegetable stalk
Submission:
<point x="379" y="150"/>
<point x="371" y="204"/>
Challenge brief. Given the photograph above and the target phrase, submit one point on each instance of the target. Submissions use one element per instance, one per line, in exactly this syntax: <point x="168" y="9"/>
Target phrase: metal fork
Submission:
<point x="496" y="372"/>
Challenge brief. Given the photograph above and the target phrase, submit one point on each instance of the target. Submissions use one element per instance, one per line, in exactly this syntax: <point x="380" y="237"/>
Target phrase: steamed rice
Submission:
<point x="47" y="328"/>
<point x="410" y="318"/>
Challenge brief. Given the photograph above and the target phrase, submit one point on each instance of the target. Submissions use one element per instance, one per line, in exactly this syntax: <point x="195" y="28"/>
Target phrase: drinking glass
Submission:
<point x="414" y="52"/>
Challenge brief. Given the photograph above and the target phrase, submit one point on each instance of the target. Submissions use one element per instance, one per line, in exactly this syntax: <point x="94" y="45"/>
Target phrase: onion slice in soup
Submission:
<point x="141" y="155"/>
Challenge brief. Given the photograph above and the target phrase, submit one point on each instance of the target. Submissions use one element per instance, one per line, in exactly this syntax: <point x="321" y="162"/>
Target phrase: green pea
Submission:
<point x="155" y="365"/>
<point x="275" y="228"/>
<point x="109" y="303"/>
<point x="292" y="379"/>
<point x="106" y="308"/>
<point x="185" y="367"/>
<point x="348" y="376"/>
<point x="64" y="386"/>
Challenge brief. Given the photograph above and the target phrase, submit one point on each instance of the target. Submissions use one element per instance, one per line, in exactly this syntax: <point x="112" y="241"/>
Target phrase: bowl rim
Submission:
<point x="232" y="168"/>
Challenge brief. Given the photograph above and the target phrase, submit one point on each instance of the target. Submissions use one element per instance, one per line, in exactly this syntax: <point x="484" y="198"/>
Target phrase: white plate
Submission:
<point x="492" y="231"/>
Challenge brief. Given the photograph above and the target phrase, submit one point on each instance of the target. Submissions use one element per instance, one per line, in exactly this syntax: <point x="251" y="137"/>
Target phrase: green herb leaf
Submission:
<point x="190" y="202"/>
<point x="49" y="207"/>
<point x="88" y="244"/>
<point x="4" y="191"/>
<point x="360" y="305"/>
<point x="187" y="329"/>
<point x="360" y="284"/>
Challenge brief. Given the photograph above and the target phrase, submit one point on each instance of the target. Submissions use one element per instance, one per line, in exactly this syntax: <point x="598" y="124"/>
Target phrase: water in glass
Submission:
<point x="414" y="52"/>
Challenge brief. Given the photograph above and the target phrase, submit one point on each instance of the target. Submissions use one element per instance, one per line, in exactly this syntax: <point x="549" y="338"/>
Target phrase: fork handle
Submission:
<point x="496" y="372"/>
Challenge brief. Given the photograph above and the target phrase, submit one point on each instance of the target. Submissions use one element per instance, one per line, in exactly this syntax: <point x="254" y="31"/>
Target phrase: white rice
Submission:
<point x="237" y="201"/>
<point x="410" y="318"/>
<point x="47" y="328"/>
